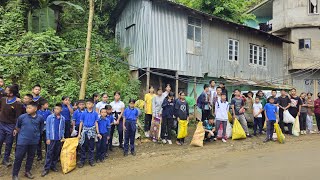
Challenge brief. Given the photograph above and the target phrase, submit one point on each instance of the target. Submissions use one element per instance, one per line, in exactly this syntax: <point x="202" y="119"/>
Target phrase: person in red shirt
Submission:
<point x="317" y="111"/>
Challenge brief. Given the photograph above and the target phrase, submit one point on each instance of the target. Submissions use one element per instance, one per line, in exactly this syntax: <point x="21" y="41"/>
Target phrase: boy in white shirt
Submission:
<point x="221" y="112"/>
<point x="257" y="113"/>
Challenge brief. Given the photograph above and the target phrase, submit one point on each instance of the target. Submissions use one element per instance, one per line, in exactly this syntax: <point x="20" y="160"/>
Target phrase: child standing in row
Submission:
<point x="29" y="127"/>
<point x="271" y="111"/>
<point x="77" y="115"/>
<point x="167" y="118"/>
<point x="182" y="110"/>
<point x="104" y="128"/>
<point x="221" y="111"/>
<point x="88" y="131"/>
<point x="55" y="127"/>
<point x="130" y="116"/>
<point x="257" y="113"/>
<point x="44" y="112"/>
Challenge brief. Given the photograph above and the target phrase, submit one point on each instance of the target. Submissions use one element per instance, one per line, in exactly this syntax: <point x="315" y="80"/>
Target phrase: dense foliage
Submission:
<point x="60" y="74"/>
<point x="232" y="10"/>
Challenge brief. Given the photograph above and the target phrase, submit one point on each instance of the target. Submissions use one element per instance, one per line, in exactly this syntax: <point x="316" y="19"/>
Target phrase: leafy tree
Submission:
<point x="232" y="10"/>
<point x="60" y="74"/>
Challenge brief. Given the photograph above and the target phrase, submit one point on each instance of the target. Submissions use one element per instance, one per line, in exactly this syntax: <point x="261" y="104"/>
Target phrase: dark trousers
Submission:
<point x="102" y="145"/>
<point x="120" y="132"/>
<point x="318" y="121"/>
<point x="67" y="132"/>
<point x="88" y="144"/>
<point x="303" y="121"/>
<point x="53" y="152"/>
<point x="39" y="148"/>
<point x="270" y="128"/>
<point x="21" y="151"/>
<point x="263" y="117"/>
<point x="205" y="114"/>
<point x="224" y="127"/>
<point x="166" y="127"/>
<point x="257" y="122"/>
<point x="129" y="136"/>
<point x="6" y="135"/>
<point x="281" y="123"/>
<point x="147" y="122"/>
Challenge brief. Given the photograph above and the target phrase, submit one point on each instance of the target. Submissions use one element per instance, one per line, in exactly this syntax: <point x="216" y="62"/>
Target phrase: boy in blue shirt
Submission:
<point x="77" y="115"/>
<point x="29" y="127"/>
<point x="55" y="126"/>
<point x="44" y="112"/>
<point x="271" y="111"/>
<point x="67" y="110"/>
<point x="130" y="116"/>
<point x="88" y="131"/>
<point x="104" y="122"/>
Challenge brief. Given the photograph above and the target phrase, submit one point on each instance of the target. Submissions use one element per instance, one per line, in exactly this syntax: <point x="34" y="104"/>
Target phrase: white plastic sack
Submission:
<point x="287" y="117"/>
<point x="309" y="123"/>
<point x="74" y="132"/>
<point x="229" y="130"/>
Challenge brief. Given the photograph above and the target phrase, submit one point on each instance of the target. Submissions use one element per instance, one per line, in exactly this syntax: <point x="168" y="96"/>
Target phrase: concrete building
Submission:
<point x="180" y="42"/>
<point x="299" y="22"/>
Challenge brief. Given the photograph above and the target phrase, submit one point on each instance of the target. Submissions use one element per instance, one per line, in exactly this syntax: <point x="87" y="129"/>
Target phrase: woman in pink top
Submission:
<point x="317" y="111"/>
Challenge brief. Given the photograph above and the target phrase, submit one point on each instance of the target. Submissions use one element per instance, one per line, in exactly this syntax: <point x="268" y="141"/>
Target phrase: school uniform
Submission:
<point x="67" y="115"/>
<point x="38" y="99"/>
<point x="88" y="135"/>
<point x="205" y="109"/>
<point x="55" y="128"/>
<point x="76" y="118"/>
<point x="44" y="113"/>
<point x="104" y="130"/>
<point x="148" y="111"/>
<point x="116" y="110"/>
<point x="10" y="110"/>
<point x="27" y="142"/>
<point x="131" y="115"/>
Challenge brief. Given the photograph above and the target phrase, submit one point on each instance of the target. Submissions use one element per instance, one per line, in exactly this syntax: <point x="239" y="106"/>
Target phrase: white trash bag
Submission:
<point x="287" y="117"/>
<point x="229" y="130"/>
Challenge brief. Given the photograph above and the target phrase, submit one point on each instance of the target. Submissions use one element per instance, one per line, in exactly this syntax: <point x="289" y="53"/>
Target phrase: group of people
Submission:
<point x="260" y="110"/>
<point x="29" y="121"/>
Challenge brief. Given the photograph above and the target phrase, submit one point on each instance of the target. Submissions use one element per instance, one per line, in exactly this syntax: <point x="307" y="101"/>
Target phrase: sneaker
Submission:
<point x="215" y="139"/>
<point x="28" y="175"/>
<point x="147" y="134"/>
<point x="133" y="153"/>
<point x="44" y="173"/>
<point x="249" y="135"/>
<point x="15" y="178"/>
<point x="305" y="132"/>
<point x="223" y="140"/>
<point x="80" y="165"/>
<point x="154" y="140"/>
<point x="6" y="163"/>
<point x="91" y="164"/>
<point x="169" y="142"/>
<point x="266" y="140"/>
<point x="125" y="154"/>
<point x="164" y="141"/>
<point x="302" y="133"/>
<point x="178" y="143"/>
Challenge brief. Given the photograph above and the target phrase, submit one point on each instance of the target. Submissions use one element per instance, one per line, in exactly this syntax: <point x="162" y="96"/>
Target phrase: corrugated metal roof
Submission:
<point x="238" y="81"/>
<point x="122" y="4"/>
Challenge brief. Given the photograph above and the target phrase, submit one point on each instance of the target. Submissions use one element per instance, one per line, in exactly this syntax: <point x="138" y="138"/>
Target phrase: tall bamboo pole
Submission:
<point x="87" y="55"/>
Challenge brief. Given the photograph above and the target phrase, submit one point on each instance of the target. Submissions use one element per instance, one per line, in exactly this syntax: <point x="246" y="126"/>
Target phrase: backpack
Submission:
<point x="199" y="103"/>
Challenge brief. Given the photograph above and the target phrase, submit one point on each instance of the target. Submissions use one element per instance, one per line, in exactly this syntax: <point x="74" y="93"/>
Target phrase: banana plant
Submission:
<point x="46" y="16"/>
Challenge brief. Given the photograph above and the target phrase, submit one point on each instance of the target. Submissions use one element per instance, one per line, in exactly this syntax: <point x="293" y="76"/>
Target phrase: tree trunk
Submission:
<point x="87" y="56"/>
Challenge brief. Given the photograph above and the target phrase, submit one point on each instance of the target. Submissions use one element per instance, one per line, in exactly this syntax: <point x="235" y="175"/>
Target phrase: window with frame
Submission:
<point x="314" y="6"/>
<point x="233" y="53"/>
<point x="194" y="35"/>
<point x="304" y="44"/>
<point x="258" y="55"/>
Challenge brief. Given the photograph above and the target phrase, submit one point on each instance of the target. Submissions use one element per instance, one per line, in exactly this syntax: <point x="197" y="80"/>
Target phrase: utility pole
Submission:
<point x="84" y="78"/>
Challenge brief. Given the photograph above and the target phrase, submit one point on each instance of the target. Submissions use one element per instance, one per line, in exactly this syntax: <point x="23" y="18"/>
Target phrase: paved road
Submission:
<point x="289" y="162"/>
